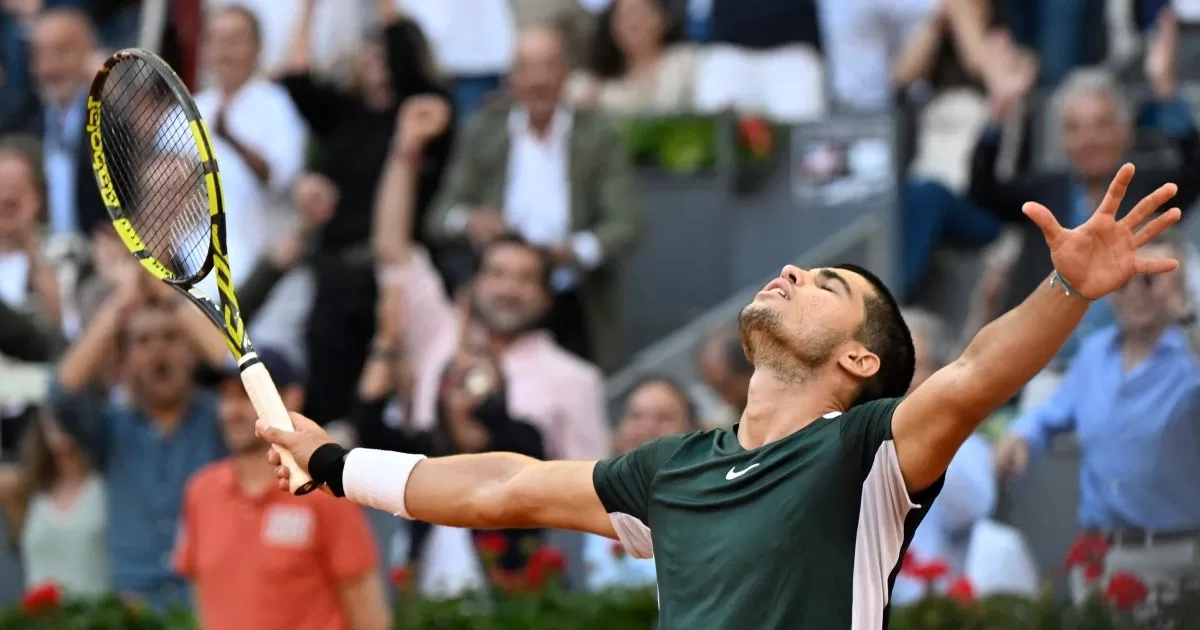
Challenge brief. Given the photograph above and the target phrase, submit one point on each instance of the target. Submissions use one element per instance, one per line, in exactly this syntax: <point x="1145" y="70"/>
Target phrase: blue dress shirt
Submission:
<point x="1138" y="431"/>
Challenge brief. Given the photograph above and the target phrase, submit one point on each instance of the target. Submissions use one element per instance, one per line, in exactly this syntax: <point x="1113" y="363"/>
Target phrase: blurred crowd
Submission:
<point x="429" y="213"/>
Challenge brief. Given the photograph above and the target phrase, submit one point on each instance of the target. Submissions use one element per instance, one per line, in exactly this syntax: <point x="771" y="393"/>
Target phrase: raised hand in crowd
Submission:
<point x="469" y="383"/>
<point x="1010" y="74"/>
<point x="422" y="118"/>
<point x="1161" y="54"/>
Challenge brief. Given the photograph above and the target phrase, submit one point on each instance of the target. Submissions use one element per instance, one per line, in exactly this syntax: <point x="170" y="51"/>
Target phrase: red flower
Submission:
<point x="493" y="545"/>
<point x="961" y="590"/>
<point x="1088" y="551"/>
<point x="1126" y="591"/>
<point x="931" y="571"/>
<point x="545" y="563"/>
<point x="756" y="135"/>
<point x="398" y="577"/>
<point x="909" y="564"/>
<point x="617" y="550"/>
<point x="40" y="598"/>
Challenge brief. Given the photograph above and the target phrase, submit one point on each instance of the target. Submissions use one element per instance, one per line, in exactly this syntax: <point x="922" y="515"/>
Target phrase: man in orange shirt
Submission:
<point x="268" y="560"/>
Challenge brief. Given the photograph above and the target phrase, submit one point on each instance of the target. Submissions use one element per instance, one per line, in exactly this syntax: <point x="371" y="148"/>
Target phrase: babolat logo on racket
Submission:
<point x="99" y="163"/>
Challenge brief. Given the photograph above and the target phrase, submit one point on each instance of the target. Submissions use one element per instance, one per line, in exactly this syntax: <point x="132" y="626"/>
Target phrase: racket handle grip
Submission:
<point x="269" y="406"/>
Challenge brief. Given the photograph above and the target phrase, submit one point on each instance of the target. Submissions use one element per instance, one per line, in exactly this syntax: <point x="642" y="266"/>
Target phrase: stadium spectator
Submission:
<point x="29" y="288"/>
<point x="1066" y="34"/>
<point x="945" y="75"/>
<point x="1129" y="398"/>
<point x="252" y="554"/>
<point x="656" y="407"/>
<point x="969" y="493"/>
<point x="148" y="437"/>
<point x="61" y="43"/>
<point x="473" y="42"/>
<point x="723" y="366"/>
<point x="256" y="130"/>
<point x="334" y="28"/>
<point x="1097" y="125"/>
<point x="763" y="59"/>
<point x="353" y="131"/>
<point x="472" y="417"/>
<point x="558" y="177"/>
<point x="639" y="63"/>
<point x="556" y="392"/>
<point x="55" y="508"/>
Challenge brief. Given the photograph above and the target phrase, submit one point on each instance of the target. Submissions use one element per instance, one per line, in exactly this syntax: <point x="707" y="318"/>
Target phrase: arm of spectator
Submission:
<point x="254" y="291"/>
<point x="351" y="559"/>
<point x="364" y="602"/>
<point x="43" y="280"/>
<point x="320" y="106"/>
<point x="916" y="59"/>
<point x="286" y="141"/>
<point x="82" y="415"/>
<point x="1169" y="113"/>
<point x="620" y="223"/>
<point x="447" y="218"/>
<point x="24" y="338"/>
<point x="968" y="21"/>
<point x="426" y="307"/>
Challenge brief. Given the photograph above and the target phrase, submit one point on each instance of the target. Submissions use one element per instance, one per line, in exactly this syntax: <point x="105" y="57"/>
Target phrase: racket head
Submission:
<point x="154" y="166"/>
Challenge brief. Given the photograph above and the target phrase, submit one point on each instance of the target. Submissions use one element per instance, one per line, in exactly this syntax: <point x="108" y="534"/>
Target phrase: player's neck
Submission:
<point x="777" y="407"/>
<point x="168" y="416"/>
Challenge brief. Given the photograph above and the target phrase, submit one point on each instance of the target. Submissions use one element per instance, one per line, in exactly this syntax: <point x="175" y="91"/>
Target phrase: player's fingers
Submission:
<point x="1155" y="265"/>
<point x="1156" y="226"/>
<point x="273" y="457"/>
<point x="284" y="485"/>
<point x="283" y="473"/>
<point x="1116" y="190"/>
<point x="1149" y="204"/>
<point x="1044" y="219"/>
<point x="286" y="439"/>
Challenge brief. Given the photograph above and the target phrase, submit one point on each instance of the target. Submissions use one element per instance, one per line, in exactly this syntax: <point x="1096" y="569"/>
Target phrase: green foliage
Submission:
<point x="681" y="146"/>
<point x="555" y="609"/>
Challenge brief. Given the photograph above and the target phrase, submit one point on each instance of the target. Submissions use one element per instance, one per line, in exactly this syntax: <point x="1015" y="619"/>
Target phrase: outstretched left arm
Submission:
<point x="1095" y="259"/>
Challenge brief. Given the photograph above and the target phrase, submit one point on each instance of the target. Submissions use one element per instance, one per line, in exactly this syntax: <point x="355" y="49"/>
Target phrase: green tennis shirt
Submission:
<point x="804" y="533"/>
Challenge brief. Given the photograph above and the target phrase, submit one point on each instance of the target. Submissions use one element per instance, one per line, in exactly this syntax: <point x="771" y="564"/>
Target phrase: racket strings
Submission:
<point x="155" y="167"/>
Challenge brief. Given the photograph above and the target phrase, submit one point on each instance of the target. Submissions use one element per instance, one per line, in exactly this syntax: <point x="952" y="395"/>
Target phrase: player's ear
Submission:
<point x="859" y="362"/>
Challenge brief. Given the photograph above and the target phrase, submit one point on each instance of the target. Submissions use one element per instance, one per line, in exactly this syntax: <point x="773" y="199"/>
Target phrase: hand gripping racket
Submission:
<point x="158" y="177"/>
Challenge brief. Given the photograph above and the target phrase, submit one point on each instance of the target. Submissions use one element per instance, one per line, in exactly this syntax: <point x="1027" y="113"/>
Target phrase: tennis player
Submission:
<point x="799" y="515"/>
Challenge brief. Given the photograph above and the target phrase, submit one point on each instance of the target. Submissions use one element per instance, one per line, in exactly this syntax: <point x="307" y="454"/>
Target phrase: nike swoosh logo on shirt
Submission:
<point x="734" y="474"/>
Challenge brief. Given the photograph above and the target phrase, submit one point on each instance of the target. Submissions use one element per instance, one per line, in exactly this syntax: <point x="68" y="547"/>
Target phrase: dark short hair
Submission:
<point x="884" y="332"/>
<point x="28" y="149"/>
<point x="512" y="239"/>
<point x="689" y="407"/>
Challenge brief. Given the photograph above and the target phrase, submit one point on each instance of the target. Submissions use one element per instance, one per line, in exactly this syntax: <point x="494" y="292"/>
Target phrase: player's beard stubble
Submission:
<point x="792" y="355"/>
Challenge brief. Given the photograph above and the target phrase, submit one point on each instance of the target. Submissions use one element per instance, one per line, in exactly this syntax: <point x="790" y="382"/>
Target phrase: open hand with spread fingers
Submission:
<point x="1101" y="255"/>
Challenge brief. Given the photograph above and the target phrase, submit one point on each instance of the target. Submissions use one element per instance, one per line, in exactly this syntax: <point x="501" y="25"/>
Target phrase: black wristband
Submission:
<point x="325" y="466"/>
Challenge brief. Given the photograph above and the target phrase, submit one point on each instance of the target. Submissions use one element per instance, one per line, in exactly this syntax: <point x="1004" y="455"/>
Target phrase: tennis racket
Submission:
<point x="158" y="177"/>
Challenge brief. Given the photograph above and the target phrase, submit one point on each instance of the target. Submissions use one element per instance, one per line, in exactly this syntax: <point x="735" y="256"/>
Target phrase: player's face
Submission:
<point x="18" y="200"/>
<point x="653" y="410"/>
<point x="231" y="48"/>
<point x="508" y="289"/>
<point x="1094" y="136"/>
<point x="804" y="317"/>
<point x="158" y="357"/>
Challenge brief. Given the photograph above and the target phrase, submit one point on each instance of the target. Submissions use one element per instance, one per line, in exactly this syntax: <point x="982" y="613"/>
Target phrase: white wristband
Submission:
<point x="377" y="479"/>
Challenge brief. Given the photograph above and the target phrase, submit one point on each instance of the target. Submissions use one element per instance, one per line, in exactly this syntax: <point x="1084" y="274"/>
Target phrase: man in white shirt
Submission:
<point x="558" y="177"/>
<point x="258" y="136"/>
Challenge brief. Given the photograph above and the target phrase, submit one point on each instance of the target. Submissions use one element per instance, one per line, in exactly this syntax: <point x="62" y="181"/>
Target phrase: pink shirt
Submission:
<point x="554" y="390"/>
